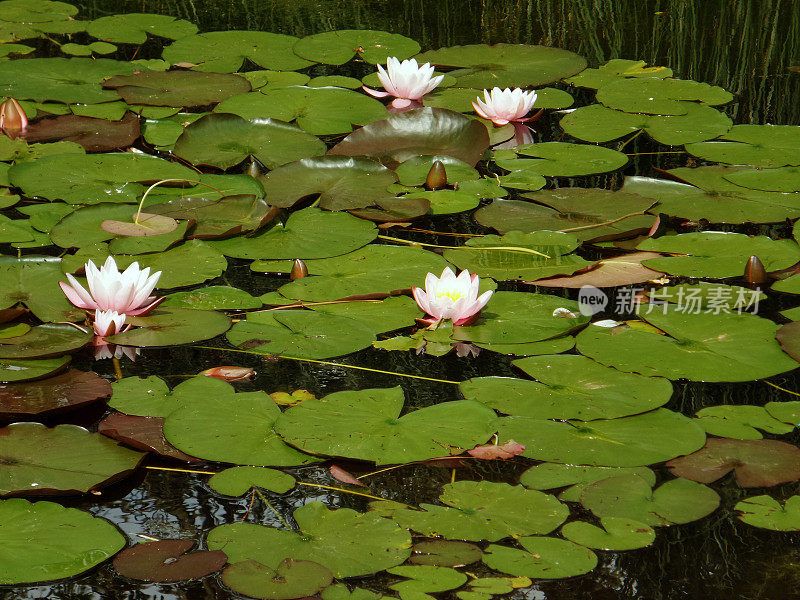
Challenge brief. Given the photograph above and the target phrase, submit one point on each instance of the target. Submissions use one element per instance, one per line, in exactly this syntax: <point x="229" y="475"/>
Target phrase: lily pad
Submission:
<point x="36" y="11"/>
<point x="445" y="553"/>
<point x="167" y="561"/>
<point x="543" y="558"/>
<point x="626" y="269"/>
<point x="757" y="145"/>
<point x="95" y="135"/>
<point x="348" y="543"/>
<point x="177" y="88"/>
<point x="143" y="433"/>
<point x="45" y="341"/>
<point x="133" y="28"/>
<point x="44" y="541"/>
<point x="225" y="51"/>
<point x="63" y="392"/>
<point x="785" y="179"/>
<point x="547" y="476"/>
<point x="343" y="183"/>
<point x="214" y="297"/>
<point x="768" y="513"/>
<point x="224" y="140"/>
<point x="421" y="131"/>
<point x="64" y="460"/>
<point x="569" y="387"/>
<point x="505" y="65"/>
<point x="150" y="397"/>
<point x="656" y="96"/>
<point x="33" y="280"/>
<point x="562" y="159"/>
<point x="172" y="327"/>
<point x="740" y="421"/>
<point x="629" y="496"/>
<point x="339" y="46"/>
<point x="699" y="347"/>
<point x="614" y="69"/>
<point x="237" y="481"/>
<point x="482" y="510"/>
<point x="367" y="425"/>
<point x="424" y="579"/>
<point x="291" y="579"/>
<point x="756" y="463"/>
<point x="317" y="110"/>
<point x="633" y="441"/>
<point x="13" y="370"/>
<point x="616" y="534"/>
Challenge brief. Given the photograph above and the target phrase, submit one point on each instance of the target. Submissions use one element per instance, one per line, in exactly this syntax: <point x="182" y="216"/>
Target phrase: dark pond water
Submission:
<point x="744" y="46"/>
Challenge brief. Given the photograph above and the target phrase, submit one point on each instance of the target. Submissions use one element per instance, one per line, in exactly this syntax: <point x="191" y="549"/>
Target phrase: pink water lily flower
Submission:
<point x="451" y="297"/>
<point x="13" y="120"/>
<point x="108" y="322"/>
<point x="505" y="106"/>
<point x="127" y="293"/>
<point x="406" y="81"/>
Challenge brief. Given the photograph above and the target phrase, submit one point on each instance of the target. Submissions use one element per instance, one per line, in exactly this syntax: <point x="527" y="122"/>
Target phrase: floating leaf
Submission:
<point x="757" y="145"/>
<point x="543" y="558"/>
<point x="562" y="159"/>
<point x="615" y="69"/>
<point x="339" y="46"/>
<point x="150" y="397"/>
<point x="44" y="541"/>
<point x="756" y="463"/>
<point x="95" y="135"/>
<point x="142" y="225"/>
<point x="35" y="11"/>
<point x="177" y="88"/>
<point x="445" y="553"/>
<point x="172" y="327"/>
<point x="45" y="341"/>
<point x="291" y="579"/>
<point x="63" y="392"/>
<point x="133" y="28"/>
<point x="421" y="131"/>
<point x="33" y="280"/>
<point x="616" y="534"/>
<point x="426" y="578"/>
<point x="213" y="297"/>
<point x="348" y="543"/>
<point x="505" y="65"/>
<point x="143" y="433"/>
<point x="739" y="421"/>
<point x="237" y="481"/>
<point x="570" y="387"/>
<point x="379" y="315"/>
<point x="547" y="476"/>
<point x="224" y="140"/>
<point x="12" y="370"/>
<point x="766" y="512"/>
<point x="656" y="96"/>
<point x="626" y="269"/>
<point x="167" y="561"/>
<point x="64" y="460"/>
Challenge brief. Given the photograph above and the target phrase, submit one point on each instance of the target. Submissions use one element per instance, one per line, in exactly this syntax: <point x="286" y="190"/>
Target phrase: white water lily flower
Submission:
<point x="127" y="293"/>
<point x="406" y="81"/>
<point x="108" y="322"/>
<point x="505" y="106"/>
<point x="451" y="297"/>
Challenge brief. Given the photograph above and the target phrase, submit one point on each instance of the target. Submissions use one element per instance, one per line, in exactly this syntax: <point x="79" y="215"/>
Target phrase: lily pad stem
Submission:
<point x="157" y="183"/>
<point x="277" y="514"/>
<point x="781" y="389"/>
<point x="593" y="225"/>
<point x="507" y="248"/>
<point x="329" y="487"/>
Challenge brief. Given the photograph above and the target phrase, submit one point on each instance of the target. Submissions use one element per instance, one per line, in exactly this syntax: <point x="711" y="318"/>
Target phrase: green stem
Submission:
<point x="507" y="248"/>
<point x="157" y="183"/>
<point x="277" y="514"/>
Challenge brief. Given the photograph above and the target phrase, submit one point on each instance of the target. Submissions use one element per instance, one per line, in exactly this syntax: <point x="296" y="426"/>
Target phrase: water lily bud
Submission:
<point x="299" y="270"/>
<point x="229" y="373"/>
<point x="13" y="120"/>
<point x="253" y="169"/>
<point x="755" y="272"/>
<point x="437" y="176"/>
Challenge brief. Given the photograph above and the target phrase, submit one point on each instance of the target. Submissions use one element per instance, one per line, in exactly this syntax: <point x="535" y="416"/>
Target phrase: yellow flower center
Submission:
<point x="452" y="294"/>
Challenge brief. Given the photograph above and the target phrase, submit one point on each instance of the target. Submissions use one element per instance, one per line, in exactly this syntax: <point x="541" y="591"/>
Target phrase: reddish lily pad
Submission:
<point x="63" y="392"/>
<point x="142" y="225"/>
<point x="756" y="463"/>
<point x="167" y="561"/>
<point x="788" y="337"/>
<point x="177" y="88"/>
<point x="95" y="135"/>
<point x="142" y="433"/>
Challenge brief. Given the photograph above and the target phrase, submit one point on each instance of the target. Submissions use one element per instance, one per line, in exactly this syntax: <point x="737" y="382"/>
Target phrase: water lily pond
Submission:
<point x="415" y="300"/>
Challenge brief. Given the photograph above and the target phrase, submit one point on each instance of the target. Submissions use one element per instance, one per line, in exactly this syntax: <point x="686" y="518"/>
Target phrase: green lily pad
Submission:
<point x="756" y="463"/>
<point x="423" y="579"/>
<point x="82" y="228"/>
<point x="757" y="145"/>
<point x="12" y="370"/>
<point x="422" y="131"/>
<point x="46" y="79"/>
<point x="308" y="234"/>
<point x="547" y="476"/>
<point x="570" y="387"/>
<point x="266" y="79"/>
<point x="740" y="421"/>
<point x="246" y="436"/>
<point x="348" y="543"/>
<point x="543" y="558"/>
<point x="445" y="553"/>
<point x="633" y="441"/>
<point x="554" y="346"/>
<point x="224" y="140"/>
<point x="172" y="327"/>
<point x="616" y="534"/>
<point x="768" y="513"/>
<point x="342" y="81"/>
<point x="562" y="159"/>
<point x="237" y="481"/>
<point x="654" y="96"/>
<point x="133" y="28"/>
<point x="589" y="211"/>
<point x="373" y="269"/>
<point x="367" y="425"/>
<point x="597" y="123"/>
<point x="384" y="210"/>
<point x="177" y="88"/>
<point x="14" y="230"/>
<point x="482" y="510"/>
<point x="629" y="496"/>
<point x="214" y="297"/>
<point x="45" y="341"/>
<point x="785" y="179"/>
<point x="291" y="579"/>
<point x="88" y="49"/>
<point x="717" y="254"/>
<point x="339" y="46"/>
<point x="699" y="347"/>
<point x="150" y="397"/>
<point x="64" y="460"/>
<point x="44" y="541"/>
<point x="225" y="51"/>
<point x="319" y="111"/>
<point x="505" y="65"/>
<point x="339" y="591"/>
<point x="342" y="182"/>
<point x="414" y="171"/>
<point x="707" y="296"/>
<point x="379" y="315"/>
<point x="35" y="11"/>
<point x="615" y="69"/>
<point x="92" y="179"/>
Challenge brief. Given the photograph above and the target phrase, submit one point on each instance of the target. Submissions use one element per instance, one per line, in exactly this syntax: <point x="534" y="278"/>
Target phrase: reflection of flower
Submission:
<point x="108" y="322"/>
<point x="451" y="297"/>
<point x="127" y="293"/>
<point x="505" y="106"/>
<point x="406" y="81"/>
<point x="105" y="350"/>
<point x="13" y="120"/>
